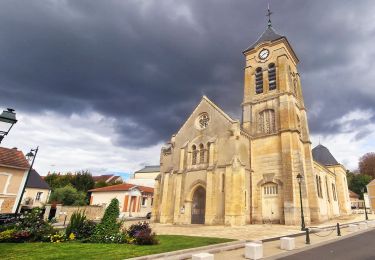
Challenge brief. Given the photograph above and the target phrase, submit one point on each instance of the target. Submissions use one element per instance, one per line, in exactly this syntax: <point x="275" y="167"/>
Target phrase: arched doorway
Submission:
<point x="198" y="207"/>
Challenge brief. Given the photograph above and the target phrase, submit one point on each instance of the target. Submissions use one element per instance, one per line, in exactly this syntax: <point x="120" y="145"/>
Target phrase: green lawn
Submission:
<point x="76" y="250"/>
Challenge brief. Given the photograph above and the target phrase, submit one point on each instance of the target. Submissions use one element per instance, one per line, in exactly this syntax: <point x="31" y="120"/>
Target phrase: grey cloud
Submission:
<point x="146" y="63"/>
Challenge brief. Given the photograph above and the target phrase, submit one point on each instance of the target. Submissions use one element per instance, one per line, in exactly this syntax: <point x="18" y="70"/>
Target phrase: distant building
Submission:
<point x="355" y="202"/>
<point x="13" y="171"/>
<point x="108" y="178"/>
<point x="135" y="201"/>
<point x="145" y="176"/>
<point x="37" y="191"/>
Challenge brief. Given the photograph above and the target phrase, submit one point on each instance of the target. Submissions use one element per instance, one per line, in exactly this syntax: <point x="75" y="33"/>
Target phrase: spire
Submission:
<point x="269" y="15"/>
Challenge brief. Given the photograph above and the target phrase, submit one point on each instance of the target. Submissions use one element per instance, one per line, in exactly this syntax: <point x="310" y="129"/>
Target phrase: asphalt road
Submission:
<point x="360" y="247"/>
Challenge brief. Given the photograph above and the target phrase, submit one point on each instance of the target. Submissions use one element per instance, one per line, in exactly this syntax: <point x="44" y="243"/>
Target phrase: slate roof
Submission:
<point x="13" y="158"/>
<point x="36" y="181"/>
<point x="269" y="35"/>
<point x="151" y="168"/>
<point x="123" y="187"/>
<point x="322" y="155"/>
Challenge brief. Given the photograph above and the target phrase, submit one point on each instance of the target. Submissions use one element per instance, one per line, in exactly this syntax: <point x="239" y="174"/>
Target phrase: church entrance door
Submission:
<point x="198" y="207"/>
<point x="270" y="205"/>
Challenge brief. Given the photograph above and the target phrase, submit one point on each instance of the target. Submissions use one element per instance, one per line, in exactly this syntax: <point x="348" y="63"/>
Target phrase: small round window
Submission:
<point x="203" y="120"/>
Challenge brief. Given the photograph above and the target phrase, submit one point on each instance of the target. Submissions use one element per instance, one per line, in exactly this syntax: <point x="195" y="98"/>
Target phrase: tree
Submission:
<point x="57" y="180"/>
<point x="68" y="195"/>
<point x="358" y="182"/>
<point x="83" y="181"/>
<point x="367" y="164"/>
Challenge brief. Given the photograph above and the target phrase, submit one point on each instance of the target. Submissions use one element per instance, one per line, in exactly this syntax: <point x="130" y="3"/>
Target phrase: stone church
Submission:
<point x="219" y="170"/>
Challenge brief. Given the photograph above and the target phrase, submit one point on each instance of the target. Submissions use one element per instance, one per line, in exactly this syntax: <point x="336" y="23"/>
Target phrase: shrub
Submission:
<point x="31" y="227"/>
<point x="141" y="234"/>
<point x="108" y="230"/>
<point x="57" y="238"/>
<point x="77" y="221"/>
<point x="7" y="235"/>
<point x="68" y="195"/>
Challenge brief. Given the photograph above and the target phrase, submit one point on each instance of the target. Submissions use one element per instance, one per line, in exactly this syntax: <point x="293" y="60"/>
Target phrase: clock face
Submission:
<point x="263" y="54"/>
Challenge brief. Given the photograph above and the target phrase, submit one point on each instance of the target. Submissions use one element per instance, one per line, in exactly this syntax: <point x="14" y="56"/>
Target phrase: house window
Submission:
<point x="272" y="76"/>
<point x="266" y="121"/>
<point x="194" y="155"/>
<point x="38" y="196"/>
<point x="144" y="201"/>
<point x="258" y="80"/>
<point x="201" y="153"/>
<point x="334" y="192"/>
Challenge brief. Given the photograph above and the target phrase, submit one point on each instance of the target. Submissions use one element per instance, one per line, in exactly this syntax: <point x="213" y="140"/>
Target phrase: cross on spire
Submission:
<point x="269" y="15"/>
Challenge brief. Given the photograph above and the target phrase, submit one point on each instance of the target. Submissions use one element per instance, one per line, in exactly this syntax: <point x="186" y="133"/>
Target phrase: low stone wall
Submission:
<point x="92" y="212"/>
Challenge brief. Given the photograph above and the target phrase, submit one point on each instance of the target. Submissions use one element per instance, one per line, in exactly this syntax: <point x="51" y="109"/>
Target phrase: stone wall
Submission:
<point x="92" y="212"/>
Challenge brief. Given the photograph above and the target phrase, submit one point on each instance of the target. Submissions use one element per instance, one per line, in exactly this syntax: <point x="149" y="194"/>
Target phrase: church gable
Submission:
<point x="206" y="120"/>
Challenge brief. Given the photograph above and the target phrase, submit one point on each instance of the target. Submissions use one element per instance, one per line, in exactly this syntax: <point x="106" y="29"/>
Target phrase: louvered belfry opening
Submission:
<point x="258" y="80"/>
<point x="272" y="76"/>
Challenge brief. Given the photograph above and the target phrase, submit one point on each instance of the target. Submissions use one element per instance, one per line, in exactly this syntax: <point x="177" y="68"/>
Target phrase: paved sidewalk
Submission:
<point x="248" y="232"/>
<point x="272" y="248"/>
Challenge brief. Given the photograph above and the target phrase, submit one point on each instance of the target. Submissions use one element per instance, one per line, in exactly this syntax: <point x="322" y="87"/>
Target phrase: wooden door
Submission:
<point x="198" y="206"/>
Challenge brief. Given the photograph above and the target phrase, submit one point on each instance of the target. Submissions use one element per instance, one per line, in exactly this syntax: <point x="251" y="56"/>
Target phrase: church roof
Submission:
<point x="149" y="168"/>
<point x="269" y="35"/>
<point x="322" y="155"/>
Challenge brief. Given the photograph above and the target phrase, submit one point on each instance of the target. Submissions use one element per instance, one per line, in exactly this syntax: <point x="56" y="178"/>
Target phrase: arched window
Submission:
<point x="208" y="152"/>
<point x="272" y="76"/>
<point x="266" y="121"/>
<point x="194" y="155"/>
<point x="258" y="80"/>
<point x="327" y="190"/>
<point x="320" y="187"/>
<point x="201" y="153"/>
<point x="334" y="192"/>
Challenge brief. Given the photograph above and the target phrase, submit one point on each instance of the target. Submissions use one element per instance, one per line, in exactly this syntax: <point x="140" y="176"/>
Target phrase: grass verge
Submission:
<point x="76" y="250"/>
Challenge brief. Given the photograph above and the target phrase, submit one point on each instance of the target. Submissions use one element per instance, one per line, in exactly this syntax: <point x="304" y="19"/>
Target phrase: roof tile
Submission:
<point x="13" y="158"/>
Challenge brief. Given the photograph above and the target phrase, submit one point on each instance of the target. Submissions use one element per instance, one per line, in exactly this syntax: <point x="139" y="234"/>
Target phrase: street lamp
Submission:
<point x="364" y="202"/>
<point x="30" y="156"/>
<point x="299" y="179"/>
<point x="7" y="120"/>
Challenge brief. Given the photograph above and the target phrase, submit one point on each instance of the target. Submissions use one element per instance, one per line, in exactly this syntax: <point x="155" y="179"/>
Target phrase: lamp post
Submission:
<point x="31" y="158"/>
<point x="364" y="202"/>
<point x="299" y="179"/>
<point x="7" y="120"/>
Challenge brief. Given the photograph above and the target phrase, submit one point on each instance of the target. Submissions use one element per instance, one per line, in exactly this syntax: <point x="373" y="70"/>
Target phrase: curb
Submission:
<point x="187" y="253"/>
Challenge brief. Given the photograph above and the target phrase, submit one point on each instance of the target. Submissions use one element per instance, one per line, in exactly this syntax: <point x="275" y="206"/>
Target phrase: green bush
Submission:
<point x="80" y="226"/>
<point x="77" y="220"/>
<point x="68" y="195"/>
<point x="7" y="235"/>
<point x="108" y="230"/>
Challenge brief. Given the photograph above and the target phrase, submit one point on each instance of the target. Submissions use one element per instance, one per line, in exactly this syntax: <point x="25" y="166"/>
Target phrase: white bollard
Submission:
<point x="253" y="251"/>
<point x="203" y="256"/>
<point x="287" y="243"/>
<point x="362" y="225"/>
<point x="353" y="228"/>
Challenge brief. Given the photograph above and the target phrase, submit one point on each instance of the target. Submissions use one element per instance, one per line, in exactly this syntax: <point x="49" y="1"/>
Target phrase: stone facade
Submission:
<point x="216" y="170"/>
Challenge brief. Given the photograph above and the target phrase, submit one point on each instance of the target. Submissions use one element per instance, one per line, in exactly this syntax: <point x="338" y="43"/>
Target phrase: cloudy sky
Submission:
<point x="101" y="85"/>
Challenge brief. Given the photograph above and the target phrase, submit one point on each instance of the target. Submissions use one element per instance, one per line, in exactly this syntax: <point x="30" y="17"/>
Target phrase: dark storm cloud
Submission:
<point x="147" y="63"/>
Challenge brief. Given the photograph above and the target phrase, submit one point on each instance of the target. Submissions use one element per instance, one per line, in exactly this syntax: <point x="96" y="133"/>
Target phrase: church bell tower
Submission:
<point x="274" y="115"/>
